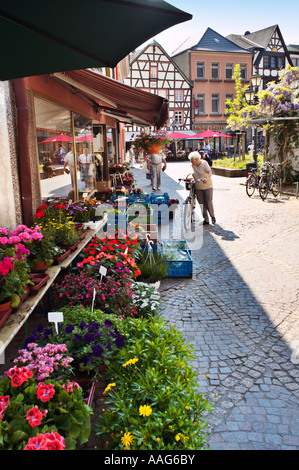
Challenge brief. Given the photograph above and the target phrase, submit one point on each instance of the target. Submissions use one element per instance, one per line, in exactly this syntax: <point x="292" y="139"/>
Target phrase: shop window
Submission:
<point x="65" y="151"/>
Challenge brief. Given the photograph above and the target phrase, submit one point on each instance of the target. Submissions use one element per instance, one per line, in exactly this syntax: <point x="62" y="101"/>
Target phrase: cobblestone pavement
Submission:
<point x="240" y="313"/>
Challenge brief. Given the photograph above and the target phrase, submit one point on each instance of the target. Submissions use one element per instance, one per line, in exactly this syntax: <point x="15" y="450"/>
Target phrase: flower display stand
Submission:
<point x="39" y="280"/>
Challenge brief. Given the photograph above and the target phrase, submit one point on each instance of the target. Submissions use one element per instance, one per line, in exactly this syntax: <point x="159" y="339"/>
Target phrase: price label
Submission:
<point x="55" y="317"/>
<point x="103" y="271"/>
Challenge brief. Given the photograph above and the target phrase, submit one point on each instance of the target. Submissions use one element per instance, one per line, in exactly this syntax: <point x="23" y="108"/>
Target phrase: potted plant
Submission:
<point x="14" y="276"/>
<point x="151" y="143"/>
<point x="67" y="236"/>
<point x="153" y="267"/>
<point x="48" y="414"/>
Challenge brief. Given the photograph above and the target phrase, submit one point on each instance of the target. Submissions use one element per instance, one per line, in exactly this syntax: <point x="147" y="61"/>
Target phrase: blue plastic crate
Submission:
<point x="154" y="246"/>
<point x="159" y="198"/>
<point x="180" y="268"/>
<point x="139" y="198"/>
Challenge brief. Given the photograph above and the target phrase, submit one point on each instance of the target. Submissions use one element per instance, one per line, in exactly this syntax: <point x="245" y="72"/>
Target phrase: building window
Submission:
<point x="295" y="62"/>
<point x="243" y="70"/>
<point x="215" y="75"/>
<point x="215" y="103"/>
<point x="179" y="95"/>
<point x="228" y="96"/>
<point x="201" y="100"/>
<point x="200" y="70"/>
<point x="229" y="70"/>
<point x="153" y="72"/>
<point x="266" y="62"/>
<point x="280" y="62"/>
<point x="178" y="118"/>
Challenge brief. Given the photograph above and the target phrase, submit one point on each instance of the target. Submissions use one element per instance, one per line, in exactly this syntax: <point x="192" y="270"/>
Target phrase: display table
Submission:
<point x="19" y="317"/>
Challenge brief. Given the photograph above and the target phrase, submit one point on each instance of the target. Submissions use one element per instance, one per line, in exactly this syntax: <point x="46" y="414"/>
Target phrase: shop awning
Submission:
<point x="39" y="37"/>
<point x="117" y="100"/>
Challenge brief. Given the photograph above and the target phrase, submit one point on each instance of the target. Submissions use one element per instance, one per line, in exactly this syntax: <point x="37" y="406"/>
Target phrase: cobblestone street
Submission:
<point x="240" y="312"/>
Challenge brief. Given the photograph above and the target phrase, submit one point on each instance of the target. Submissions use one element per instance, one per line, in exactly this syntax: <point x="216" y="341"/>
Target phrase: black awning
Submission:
<point x="39" y="37"/>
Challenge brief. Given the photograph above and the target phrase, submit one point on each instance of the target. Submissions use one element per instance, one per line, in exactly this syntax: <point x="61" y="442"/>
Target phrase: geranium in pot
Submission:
<point x="151" y="143"/>
<point x="14" y="274"/>
<point x="41" y="415"/>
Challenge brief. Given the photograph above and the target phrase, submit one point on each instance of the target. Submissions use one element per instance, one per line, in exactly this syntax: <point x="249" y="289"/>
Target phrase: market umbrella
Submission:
<point x="84" y="138"/>
<point x="57" y="138"/>
<point x="178" y="136"/>
<point x="206" y="135"/>
<point x="45" y="37"/>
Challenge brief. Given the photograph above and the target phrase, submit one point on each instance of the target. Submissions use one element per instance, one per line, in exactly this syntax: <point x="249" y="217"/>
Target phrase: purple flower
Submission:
<point x="97" y="350"/>
<point x="88" y="338"/>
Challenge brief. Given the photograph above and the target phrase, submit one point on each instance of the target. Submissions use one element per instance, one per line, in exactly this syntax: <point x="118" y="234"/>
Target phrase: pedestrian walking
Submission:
<point x="157" y="163"/>
<point x="203" y="189"/>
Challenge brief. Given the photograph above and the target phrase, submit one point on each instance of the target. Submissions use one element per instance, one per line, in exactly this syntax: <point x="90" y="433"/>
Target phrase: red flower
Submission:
<point x="60" y="206"/>
<point x="39" y="214"/>
<point x="34" y="417"/>
<point x="46" y="441"/>
<point x="4" y="402"/>
<point x="19" y="375"/>
<point x="45" y="392"/>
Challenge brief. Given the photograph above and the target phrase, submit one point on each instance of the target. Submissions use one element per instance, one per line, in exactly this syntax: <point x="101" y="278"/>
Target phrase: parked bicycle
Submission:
<point x="252" y="181"/>
<point x="269" y="180"/>
<point x="190" y="202"/>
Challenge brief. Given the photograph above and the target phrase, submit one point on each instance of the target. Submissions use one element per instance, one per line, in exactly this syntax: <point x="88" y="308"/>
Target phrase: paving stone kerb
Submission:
<point x="240" y="312"/>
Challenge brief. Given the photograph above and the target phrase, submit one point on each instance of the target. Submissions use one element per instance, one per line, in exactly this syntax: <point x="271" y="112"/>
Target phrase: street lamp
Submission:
<point x="251" y="98"/>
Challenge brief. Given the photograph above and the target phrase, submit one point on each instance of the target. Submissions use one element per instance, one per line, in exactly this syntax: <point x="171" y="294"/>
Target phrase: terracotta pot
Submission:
<point x="5" y="311"/>
<point x="61" y="257"/>
<point x="39" y="279"/>
<point x="4" y="306"/>
<point x="73" y="247"/>
<point x="40" y="267"/>
<point x="155" y="148"/>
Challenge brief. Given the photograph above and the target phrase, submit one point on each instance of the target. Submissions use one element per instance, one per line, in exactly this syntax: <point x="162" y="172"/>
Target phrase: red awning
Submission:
<point x="118" y="100"/>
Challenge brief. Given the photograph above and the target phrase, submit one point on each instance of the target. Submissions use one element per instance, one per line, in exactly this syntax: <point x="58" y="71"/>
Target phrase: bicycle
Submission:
<point x="269" y="180"/>
<point x="252" y="181"/>
<point x="190" y="202"/>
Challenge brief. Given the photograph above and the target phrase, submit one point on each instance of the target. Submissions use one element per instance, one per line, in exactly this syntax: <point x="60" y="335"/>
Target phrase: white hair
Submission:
<point x="194" y="155"/>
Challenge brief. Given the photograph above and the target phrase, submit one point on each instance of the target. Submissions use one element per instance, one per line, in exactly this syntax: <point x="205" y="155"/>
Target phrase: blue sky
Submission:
<point x="232" y="16"/>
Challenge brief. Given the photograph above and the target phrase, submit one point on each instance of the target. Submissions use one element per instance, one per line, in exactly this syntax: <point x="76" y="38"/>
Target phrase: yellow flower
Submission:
<point x="127" y="440"/>
<point x="145" y="410"/>
<point x="181" y="437"/>
<point x="130" y="361"/>
<point x="108" y="388"/>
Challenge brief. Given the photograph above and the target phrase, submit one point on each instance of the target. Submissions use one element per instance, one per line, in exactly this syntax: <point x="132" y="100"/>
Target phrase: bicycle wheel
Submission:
<point x="263" y="188"/>
<point x="275" y="186"/>
<point x="250" y="185"/>
<point x="188" y="212"/>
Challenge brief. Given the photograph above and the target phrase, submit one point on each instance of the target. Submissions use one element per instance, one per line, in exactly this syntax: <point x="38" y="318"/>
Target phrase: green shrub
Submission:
<point x="152" y="393"/>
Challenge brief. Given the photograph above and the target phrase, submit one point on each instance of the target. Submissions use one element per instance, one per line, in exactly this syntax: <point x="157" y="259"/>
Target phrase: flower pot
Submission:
<point x="72" y="247"/>
<point x="39" y="280"/>
<point x="24" y="296"/>
<point x="61" y="257"/>
<point x="40" y="267"/>
<point x="5" y="311"/>
<point x="155" y="148"/>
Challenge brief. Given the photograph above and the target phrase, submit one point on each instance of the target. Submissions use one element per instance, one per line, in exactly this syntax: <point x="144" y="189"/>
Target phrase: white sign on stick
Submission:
<point x="55" y="317"/>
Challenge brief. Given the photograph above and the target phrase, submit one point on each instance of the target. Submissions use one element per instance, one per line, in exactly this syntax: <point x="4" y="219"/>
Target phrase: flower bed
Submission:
<point x="110" y="329"/>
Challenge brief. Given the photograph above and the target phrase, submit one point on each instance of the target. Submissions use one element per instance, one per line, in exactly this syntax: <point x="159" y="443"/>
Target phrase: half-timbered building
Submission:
<point x="270" y="54"/>
<point x="153" y="70"/>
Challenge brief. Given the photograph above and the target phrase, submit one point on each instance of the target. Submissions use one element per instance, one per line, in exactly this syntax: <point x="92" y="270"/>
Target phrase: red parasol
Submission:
<point x="178" y="136"/>
<point x="57" y="138"/>
<point x="205" y="135"/>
